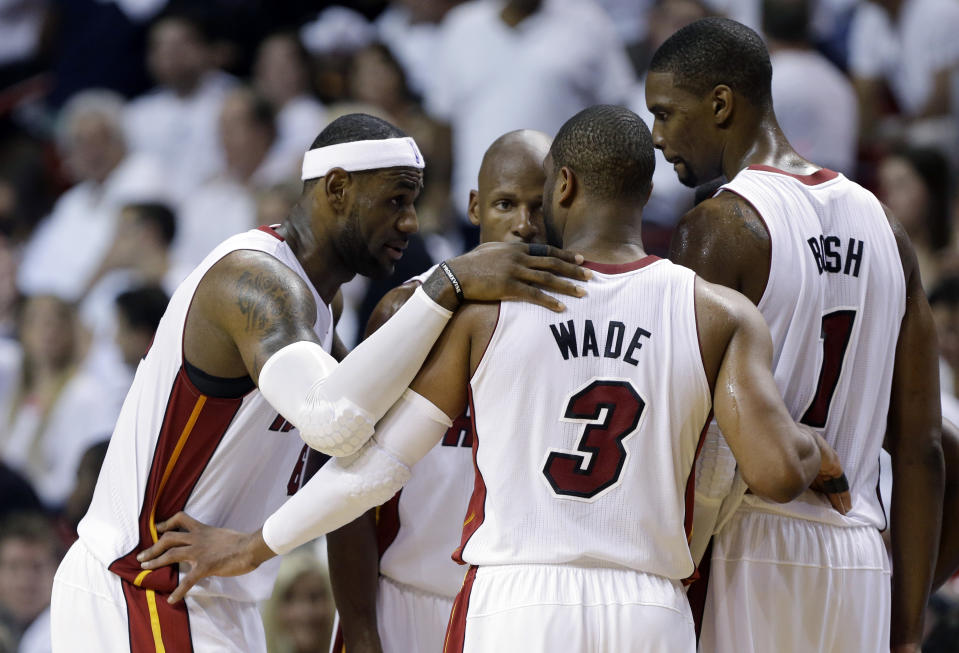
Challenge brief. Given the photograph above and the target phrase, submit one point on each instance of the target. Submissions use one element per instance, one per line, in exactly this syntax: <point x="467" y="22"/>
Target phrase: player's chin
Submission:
<point x="685" y="176"/>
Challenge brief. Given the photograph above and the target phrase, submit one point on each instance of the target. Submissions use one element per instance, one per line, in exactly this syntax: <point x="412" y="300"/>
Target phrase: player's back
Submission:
<point x="587" y="424"/>
<point x="834" y="303"/>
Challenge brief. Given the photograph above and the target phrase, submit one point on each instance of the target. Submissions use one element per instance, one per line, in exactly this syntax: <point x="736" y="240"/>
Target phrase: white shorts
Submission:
<point x="547" y="608"/>
<point x="92" y="609"/>
<point x="410" y="620"/>
<point x="789" y="585"/>
<point x="407" y="619"/>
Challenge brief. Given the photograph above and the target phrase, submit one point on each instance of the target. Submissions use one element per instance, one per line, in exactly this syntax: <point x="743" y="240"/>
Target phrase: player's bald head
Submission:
<point x="507" y="205"/>
<point x="512" y="151"/>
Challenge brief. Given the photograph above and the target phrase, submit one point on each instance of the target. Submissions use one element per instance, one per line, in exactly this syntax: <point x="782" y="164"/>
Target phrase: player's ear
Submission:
<point x="722" y="103"/>
<point x="567" y="186"/>
<point x="473" y="211"/>
<point x="338" y="183"/>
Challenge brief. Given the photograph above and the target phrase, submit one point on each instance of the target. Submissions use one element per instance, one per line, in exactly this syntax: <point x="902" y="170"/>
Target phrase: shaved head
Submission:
<point x="515" y="148"/>
<point x="508" y="203"/>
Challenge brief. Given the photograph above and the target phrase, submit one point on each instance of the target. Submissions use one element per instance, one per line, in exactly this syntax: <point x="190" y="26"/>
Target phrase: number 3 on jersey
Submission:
<point x="611" y="410"/>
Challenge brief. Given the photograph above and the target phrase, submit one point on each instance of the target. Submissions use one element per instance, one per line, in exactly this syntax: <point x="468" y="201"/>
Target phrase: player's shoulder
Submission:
<point x="721" y="314"/>
<point x="247" y="274"/>
<point x="725" y="215"/>
<point x="907" y="255"/>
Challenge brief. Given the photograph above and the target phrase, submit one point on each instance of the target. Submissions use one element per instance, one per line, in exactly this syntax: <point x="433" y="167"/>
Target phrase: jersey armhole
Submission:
<point x="769" y="266"/>
<point x="481" y="365"/>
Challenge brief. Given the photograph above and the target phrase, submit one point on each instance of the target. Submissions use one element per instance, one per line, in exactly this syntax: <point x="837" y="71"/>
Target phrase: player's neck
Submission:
<point x="763" y="143"/>
<point x="606" y="235"/>
<point x="318" y="256"/>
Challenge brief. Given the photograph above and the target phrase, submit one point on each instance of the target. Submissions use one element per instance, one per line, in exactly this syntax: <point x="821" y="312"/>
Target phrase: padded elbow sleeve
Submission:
<point x="294" y="381"/>
<point x="345" y="488"/>
<point x="336" y="409"/>
<point x="340" y="492"/>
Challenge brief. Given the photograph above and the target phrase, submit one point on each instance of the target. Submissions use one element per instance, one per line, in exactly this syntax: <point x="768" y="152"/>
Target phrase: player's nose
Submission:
<point x="523" y="224"/>
<point x="408" y="223"/>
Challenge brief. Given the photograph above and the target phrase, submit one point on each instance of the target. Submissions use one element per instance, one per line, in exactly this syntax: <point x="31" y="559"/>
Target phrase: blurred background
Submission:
<point x="137" y="134"/>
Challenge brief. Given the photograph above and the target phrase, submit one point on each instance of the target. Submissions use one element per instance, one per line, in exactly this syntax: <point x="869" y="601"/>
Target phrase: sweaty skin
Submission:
<point x="507" y="207"/>
<point x="722" y="133"/>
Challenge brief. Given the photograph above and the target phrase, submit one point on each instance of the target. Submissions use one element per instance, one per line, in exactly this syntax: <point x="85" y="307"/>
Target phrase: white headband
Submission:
<point x="362" y="155"/>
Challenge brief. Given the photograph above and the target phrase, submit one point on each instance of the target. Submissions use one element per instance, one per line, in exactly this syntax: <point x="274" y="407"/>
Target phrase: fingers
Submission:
<point x="548" y="281"/>
<point x="179" y="521"/>
<point x="534" y="295"/>
<point x="171" y="557"/>
<point x="545" y="251"/>
<point x="557" y="266"/>
<point x="186" y="582"/>
<point x="164" y="544"/>
<point x="841" y="501"/>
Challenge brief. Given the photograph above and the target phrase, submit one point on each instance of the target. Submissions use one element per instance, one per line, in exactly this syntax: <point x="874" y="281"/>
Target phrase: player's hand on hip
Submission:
<point x="208" y="551"/>
<point x="495" y="271"/>
<point x="831" y="481"/>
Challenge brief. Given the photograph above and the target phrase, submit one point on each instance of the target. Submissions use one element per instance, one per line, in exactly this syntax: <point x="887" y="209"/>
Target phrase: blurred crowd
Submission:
<point x="137" y="134"/>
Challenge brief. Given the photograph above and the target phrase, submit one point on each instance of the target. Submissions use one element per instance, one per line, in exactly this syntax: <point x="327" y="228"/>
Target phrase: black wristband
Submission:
<point x="835" y="485"/>
<point x="457" y="288"/>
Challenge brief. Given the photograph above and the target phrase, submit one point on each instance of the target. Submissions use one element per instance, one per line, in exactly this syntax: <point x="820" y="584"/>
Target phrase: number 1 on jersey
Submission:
<point x="611" y="410"/>
<point x="836" y="332"/>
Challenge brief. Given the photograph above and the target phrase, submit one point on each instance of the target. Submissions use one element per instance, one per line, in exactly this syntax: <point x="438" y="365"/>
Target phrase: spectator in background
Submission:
<point x="520" y="64"/>
<point x="25" y="182"/>
<point x="377" y="79"/>
<point x="138" y="316"/>
<point x="814" y="101"/>
<point x="944" y="300"/>
<point x="9" y="260"/>
<point x="64" y="252"/>
<point x="298" y="617"/>
<point x="910" y="46"/>
<point x="79" y="500"/>
<point x="669" y="199"/>
<point x="29" y="555"/>
<point x="177" y="122"/>
<point x="140" y="255"/>
<point x="226" y="205"/>
<point x="55" y="410"/>
<point x="281" y="75"/>
<point x="914" y="184"/>
<point x="410" y="29"/>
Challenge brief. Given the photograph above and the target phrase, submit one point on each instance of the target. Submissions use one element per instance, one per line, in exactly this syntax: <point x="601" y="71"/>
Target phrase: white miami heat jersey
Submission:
<point x="228" y="462"/>
<point x="834" y="303"/>
<point x="418" y="529"/>
<point x="587" y="424"/>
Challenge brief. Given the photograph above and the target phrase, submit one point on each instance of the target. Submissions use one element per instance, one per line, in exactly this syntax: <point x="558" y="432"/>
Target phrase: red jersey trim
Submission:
<point x="270" y="230"/>
<point x="476" y="510"/>
<point x="691" y="493"/>
<point x="191" y="431"/>
<point x="820" y="176"/>
<point x="619" y="268"/>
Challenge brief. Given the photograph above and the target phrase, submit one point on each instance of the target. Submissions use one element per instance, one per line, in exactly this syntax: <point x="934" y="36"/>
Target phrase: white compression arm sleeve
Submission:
<point x="336" y="409"/>
<point x="345" y="488"/>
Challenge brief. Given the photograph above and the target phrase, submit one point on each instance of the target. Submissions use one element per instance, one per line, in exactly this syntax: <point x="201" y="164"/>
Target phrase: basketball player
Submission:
<point x="239" y="358"/>
<point x="585" y="428"/>
<point x="406" y="606"/>
<point x="836" y="279"/>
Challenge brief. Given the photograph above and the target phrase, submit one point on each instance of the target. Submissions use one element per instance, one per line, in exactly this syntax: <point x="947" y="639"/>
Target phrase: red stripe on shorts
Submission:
<point x="456" y="630"/>
<point x="155" y="625"/>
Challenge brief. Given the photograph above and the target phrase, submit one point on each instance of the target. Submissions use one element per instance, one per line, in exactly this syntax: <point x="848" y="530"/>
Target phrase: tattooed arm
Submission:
<point x="248" y="306"/>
